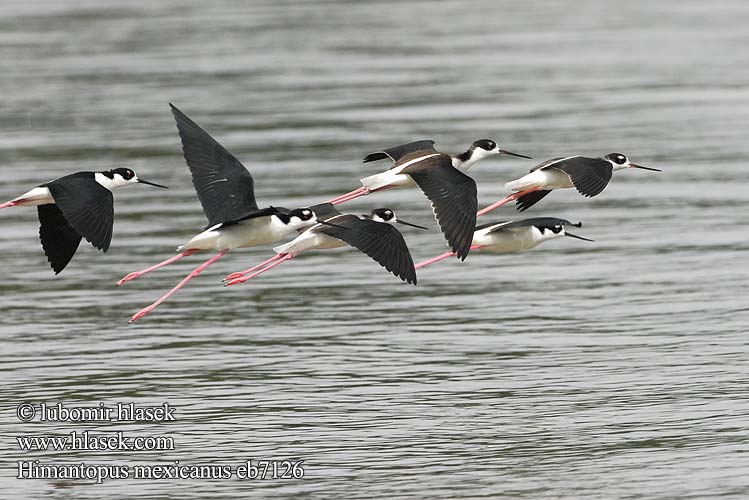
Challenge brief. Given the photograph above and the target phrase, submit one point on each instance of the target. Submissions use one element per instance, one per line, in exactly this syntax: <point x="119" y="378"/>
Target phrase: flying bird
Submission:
<point x="372" y="234"/>
<point x="440" y="176"/>
<point x="588" y="175"/>
<point x="514" y="236"/>
<point x="226" y="192"/>
<point x="76" y="206"/>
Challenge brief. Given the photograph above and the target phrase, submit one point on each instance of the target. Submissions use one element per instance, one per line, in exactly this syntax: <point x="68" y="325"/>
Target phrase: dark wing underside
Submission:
<point x="589" y="175"/>
<point x="224" y="186"/>
<point x="380" y="241"/>
<point x="526" y="201"/>
<point x="87" y="206"/>
<point x="397" y="152"/>
<point x="59" y="239"/>
<point x="453" y="197"/>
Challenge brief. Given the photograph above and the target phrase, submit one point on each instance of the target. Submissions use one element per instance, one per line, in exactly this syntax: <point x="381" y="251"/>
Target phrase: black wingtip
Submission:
<point x="379" y="155"/>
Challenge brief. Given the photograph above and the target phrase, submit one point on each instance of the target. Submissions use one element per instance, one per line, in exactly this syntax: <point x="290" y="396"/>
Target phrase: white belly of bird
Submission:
<point x="35" y="196"/>
<point x="550" y="178"/>
<point x="387" y="178"/>
<point x="247" y="233"/>
<point x="508" y="241"/>
<point x="307" y="241"/>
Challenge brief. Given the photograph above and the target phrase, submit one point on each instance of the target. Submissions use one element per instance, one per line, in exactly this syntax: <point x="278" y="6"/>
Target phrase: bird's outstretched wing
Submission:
<point x="380" y="241"/>
<point x="59" y="239"/>
<point x="589" y="175"/>
<point x="526" y="201"/>
<point x="397" y="152"/>
<point x="453" y="197"/>
<point x="86" y="205"/>
<point x="282" y="213"/>
<point x="224" y="185"/>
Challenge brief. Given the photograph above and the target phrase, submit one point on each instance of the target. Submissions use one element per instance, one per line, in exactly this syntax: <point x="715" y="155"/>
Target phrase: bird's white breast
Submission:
<point x="510" y="240"/>
<point x="248" y="233"/>
<point x="308" y="240"/>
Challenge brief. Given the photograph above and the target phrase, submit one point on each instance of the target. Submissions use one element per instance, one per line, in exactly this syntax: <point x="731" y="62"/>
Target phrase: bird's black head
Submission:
<point x="383" y="214"/>
<point x="617" y="158"/>
<point x="125" y="173"/>
<point x="486" y="144"/>
<point x="304" y="214"/>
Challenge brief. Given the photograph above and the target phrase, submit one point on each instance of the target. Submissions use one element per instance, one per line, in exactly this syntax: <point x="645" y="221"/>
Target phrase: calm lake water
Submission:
<point x="614" y="369"/>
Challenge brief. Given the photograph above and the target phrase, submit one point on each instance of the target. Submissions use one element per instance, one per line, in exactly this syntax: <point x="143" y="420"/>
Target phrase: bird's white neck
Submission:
<point x="466" y="160"/>
<point x="117" y="181"/>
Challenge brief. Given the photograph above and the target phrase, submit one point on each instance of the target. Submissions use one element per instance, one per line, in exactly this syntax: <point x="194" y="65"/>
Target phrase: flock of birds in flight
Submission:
<point x="80" y="205"/>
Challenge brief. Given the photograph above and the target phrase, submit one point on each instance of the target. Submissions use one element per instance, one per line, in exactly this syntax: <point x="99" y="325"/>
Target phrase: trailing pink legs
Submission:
<point x="233" y="276"/>
<point x="440" y="257"/>
<point x="362" y="191"/>
<point x="11" y="203"/>
<point x="182" y="283"/>
<point x="271" y="263"/>
<point x="138" y="274"/>
<point x="506" y="199"/>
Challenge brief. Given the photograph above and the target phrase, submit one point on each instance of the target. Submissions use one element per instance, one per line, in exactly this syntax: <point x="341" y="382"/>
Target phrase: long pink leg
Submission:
<point x="506" y="199"/>
<point x="182" y="283"/>
<point x="138" y="274"/>
<point x="248" y="271"/>
<point x="362" y="191"/>
<point x="440" y="257"/>
<point x="11" y="203"/>
<point x="284" y="258"/>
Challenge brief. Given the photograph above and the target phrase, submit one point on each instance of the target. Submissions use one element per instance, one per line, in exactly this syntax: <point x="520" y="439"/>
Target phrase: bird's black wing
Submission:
<point x="526" y="201"/>
<point x="379" y="240"/>
<point x="86" y="205"/>
<point x="453" y="197"/>
<point x="546" y="163"/>
<point x="397" y="152"/>
<point x="589" y="175"/>
<point x="282" y="213"/>
<point x="546" y="222"/>
<point x="224" y="185"/>
<point x="59" y="239"/>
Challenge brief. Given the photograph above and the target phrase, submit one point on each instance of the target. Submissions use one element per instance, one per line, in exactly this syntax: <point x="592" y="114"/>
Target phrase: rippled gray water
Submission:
<point x="616" y="369"/>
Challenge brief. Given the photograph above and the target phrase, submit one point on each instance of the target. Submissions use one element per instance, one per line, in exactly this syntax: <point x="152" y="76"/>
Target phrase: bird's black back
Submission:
<point x="224" y="185"/>
<point x="396" y="153"/>
<point x="379" y="240"/>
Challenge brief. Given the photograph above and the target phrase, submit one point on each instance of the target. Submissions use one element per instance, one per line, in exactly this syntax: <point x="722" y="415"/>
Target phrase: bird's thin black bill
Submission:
<point x="645" y="168"/>
<point x="578" y="237"/>
<point x="152" y="184"/>
<point x="399" y="221"/>
<point x="505" y="152"/>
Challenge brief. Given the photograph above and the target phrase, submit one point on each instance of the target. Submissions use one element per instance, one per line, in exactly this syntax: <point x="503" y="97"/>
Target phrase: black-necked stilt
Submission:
<point x="588" y="175"/>
<point x="225" y="190"/>
<point x="479" y="150"/>
<point x="74" y="206"/>
<point x="372" y="234"/>
<point x="451" y="192"/>
<point x="514" y="236"/>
